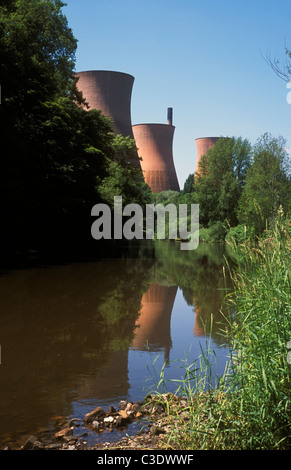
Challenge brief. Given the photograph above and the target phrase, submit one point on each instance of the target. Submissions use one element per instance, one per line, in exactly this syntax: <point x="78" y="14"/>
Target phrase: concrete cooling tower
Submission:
<point x="154" y="144"/>
<point x="202" y="145"/>
<point x="109" y="92"/>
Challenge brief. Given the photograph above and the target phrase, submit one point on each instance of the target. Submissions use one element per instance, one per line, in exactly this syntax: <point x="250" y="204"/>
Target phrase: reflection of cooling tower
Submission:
<point x="109" y="92"/>
<point x="198" y="328"/>
<point x="154" y="143"/>
<point x="153" y="323"/>
<point x="202" y="145"/>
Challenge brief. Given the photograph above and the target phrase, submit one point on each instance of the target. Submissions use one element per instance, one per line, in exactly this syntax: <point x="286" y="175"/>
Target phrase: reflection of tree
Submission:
<point x="203" y="278"/>
<point x="66" y="328"/>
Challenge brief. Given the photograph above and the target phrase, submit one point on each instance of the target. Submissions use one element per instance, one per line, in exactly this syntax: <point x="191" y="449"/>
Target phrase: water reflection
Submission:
<point x="152" y="328"/>
<point x="66" y="331"/>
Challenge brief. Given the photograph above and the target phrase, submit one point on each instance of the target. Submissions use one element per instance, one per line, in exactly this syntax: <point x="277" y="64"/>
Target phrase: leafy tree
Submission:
<point x="124" y="178"/>
<point x="189" y="184"/>
<point x="268" y="184"/>
<point x="220" y="178"/>
<point x="166" y="197"/>
<point x="37" y="50"/>
<point x="56" y="157"/>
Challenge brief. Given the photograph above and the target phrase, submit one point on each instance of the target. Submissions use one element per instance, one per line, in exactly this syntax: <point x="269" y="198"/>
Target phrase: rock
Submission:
<point x="74" y="422"/>
<point x="158" y="409"/>
<point x="111" y="410"/>
<point x="108" y="420"/>
<point x="64" y="432"/>
<point x="150" y="397"/>
<point x="124" y="414"/>
<point x="135" y="408"/>
<point x="53" y="446"/>
<point x="70" y="439"/>
<point x="124" y="418"/>
<point x="97" y="414"/>
<point x="183" y="403"/>
<point x="119" y="421"/>
<point x="32" y="443"/>
<point x="122" y="404"/>
<point x="155" y="430"/>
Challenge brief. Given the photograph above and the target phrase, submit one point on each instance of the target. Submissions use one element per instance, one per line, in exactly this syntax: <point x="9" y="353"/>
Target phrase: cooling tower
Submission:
<point x="202" y="145"/>
<point x="109" y="92"/>
<point x="155" y="146"/>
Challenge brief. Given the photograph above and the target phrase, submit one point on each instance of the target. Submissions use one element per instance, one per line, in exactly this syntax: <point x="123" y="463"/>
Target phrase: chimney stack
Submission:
<point x="170" y="116"/>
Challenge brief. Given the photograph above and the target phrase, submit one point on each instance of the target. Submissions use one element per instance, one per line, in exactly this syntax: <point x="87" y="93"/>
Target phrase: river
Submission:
<point x="78" y="335"/>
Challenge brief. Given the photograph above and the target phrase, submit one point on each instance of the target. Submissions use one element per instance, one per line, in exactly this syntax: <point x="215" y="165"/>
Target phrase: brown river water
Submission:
<point x="80" y="335"/>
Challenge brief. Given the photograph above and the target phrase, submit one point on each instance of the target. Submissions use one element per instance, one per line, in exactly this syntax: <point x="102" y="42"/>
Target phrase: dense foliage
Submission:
<point x="56" y="155"/>
<point x="239" y="188"/>
<point x="267" y="184"/>
<point x="220" y="178"/>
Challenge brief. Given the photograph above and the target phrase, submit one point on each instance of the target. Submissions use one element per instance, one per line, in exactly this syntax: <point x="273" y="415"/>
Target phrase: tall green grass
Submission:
<point x="249" y="407"/>
<point x="259" y="335"/>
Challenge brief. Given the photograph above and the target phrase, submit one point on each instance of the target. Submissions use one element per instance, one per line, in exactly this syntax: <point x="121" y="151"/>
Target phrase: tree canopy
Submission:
<point x="267" y="183"/>
<point x="220" y="178"/>
<point x="56" y="155"/>
<point x="241" y="186"/>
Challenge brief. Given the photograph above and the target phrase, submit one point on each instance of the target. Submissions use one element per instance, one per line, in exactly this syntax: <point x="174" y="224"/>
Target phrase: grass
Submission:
<point x="249" y="408"/>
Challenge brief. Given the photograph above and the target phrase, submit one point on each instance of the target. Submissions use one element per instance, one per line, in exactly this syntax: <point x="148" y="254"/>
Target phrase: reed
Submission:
<point x="260" y="334"/>
<point x="249" y="407"/>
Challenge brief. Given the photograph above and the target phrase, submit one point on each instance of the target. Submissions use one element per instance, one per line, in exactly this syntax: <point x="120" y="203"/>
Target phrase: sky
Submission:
<point x="204" y="58"/>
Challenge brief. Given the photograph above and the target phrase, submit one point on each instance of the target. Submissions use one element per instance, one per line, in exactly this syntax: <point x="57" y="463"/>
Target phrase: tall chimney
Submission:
<point x="170" y="116"/>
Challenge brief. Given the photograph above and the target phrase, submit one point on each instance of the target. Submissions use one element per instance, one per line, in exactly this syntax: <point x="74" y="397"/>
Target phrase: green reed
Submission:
<point x="249" y="407"/>
<point x="259" y="335"/>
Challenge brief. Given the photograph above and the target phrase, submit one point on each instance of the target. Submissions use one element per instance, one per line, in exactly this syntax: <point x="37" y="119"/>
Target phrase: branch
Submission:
<point x="282" y="72"/>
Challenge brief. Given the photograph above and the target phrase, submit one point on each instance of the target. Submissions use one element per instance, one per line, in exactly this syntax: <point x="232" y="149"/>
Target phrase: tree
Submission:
<point x="189" y="184"/>
<point x="54" y="152"/>
<point x="268" y="184"/>
<point x="123" y="178"/>
<point x="220" y="179"/>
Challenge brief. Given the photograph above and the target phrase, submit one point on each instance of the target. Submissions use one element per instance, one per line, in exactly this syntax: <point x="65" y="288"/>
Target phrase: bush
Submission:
<point x="215" y="233"/>
<point x="239" y="234"/>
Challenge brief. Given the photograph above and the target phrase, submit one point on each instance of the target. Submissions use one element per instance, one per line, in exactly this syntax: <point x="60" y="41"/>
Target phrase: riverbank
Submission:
<point x="161" y="420"/>
<point x="153" y="418"/>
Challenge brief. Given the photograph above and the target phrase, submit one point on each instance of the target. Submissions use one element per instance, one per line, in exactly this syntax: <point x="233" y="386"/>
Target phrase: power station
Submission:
<point x="110" y="92"/>
<point x="155" y="148"/>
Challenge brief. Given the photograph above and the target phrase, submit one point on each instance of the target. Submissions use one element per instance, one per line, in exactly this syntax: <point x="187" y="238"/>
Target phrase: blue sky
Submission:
<point x="204" y="58"/>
